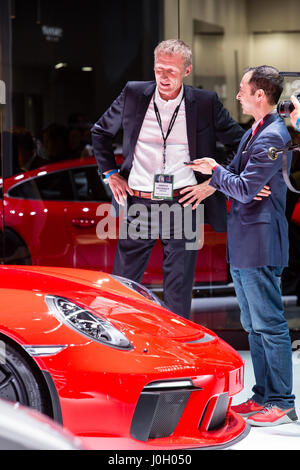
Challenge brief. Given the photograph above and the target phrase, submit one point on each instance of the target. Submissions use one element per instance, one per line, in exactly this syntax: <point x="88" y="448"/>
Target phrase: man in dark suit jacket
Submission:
<point x="257" y="246"/>
<point x="201" y="119"/>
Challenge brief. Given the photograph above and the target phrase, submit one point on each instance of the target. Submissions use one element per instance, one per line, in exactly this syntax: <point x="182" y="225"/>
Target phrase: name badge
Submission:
<point x="163" y="186"/>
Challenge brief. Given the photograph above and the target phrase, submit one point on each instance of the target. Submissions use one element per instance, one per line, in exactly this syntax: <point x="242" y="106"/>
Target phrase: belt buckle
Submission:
<point x="156" y="198"/>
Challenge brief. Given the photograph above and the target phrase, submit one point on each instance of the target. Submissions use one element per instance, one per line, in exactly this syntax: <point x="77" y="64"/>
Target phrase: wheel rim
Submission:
<point x="12" y="387"/>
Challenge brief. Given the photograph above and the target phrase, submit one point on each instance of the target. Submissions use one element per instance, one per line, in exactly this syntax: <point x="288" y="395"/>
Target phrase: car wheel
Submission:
<point x="18" y="382"/>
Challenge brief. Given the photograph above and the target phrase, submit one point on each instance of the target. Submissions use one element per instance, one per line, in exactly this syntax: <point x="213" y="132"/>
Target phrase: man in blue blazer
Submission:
<point x="199" y="120"/>
<point x="257" y="246"/>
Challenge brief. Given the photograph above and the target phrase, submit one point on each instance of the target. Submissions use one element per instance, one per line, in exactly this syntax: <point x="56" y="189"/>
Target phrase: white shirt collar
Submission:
<point x="175" y="102"/>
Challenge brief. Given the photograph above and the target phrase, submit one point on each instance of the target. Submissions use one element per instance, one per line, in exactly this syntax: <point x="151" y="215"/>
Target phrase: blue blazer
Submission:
<point x="257" y="230"/>
<point x="206" y="119"/>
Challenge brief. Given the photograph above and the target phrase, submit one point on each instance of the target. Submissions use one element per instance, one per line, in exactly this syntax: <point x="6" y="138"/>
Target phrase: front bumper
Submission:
<point x="140" y="404"/>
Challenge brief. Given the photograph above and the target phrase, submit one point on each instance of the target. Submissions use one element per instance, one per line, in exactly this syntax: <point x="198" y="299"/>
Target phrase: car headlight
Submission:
<point x="86" y="322"/>
<point x="139" y="288"/>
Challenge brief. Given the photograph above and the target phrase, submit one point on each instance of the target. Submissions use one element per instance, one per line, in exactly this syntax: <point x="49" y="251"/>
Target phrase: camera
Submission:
<point x="284" y="108"/>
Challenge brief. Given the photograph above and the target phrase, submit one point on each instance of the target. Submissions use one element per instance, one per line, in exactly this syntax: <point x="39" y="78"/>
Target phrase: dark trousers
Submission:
<point x="178" y="236"/>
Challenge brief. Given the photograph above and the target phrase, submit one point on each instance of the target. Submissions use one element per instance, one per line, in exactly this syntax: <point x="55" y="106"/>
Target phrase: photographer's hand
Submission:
<point x="295" y="115"/>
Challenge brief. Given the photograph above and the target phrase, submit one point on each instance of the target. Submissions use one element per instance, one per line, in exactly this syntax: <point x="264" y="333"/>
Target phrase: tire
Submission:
<point x="18" y="382"/>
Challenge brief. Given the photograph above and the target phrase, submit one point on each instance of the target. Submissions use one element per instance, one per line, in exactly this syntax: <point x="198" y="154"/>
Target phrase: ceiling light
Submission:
<point x="60" y="65"/>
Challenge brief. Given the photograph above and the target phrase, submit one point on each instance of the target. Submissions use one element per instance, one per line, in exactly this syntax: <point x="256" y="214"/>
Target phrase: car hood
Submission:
<point x="101" y="293"/>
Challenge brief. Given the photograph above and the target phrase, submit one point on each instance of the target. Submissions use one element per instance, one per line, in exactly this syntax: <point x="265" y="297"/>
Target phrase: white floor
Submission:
<point x="283" y="437"/>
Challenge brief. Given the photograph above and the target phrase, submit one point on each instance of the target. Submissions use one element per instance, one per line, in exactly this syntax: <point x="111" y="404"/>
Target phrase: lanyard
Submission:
<point x="171" y="124"/>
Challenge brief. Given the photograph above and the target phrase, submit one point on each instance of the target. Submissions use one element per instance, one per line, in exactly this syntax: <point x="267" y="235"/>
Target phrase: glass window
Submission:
<point x="54" y="187"/>
<point x="89" y="186"/>
<point x="67" y="66"/>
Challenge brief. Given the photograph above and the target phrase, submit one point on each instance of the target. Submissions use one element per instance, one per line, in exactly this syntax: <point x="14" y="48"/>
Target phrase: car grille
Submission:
<point x="161" y="405"/>
<point x="169" y="409"/>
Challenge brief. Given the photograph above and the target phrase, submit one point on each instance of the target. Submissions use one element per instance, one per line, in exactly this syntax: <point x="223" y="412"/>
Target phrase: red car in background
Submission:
<point x="50" y="218"/>
<point x="296" y="213"/>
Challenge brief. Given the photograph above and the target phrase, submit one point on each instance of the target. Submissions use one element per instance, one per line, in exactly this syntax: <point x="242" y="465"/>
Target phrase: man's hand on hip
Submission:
<point x="119" y="187"/>
<point x="264" y="192"/>
<point x="196" y="194"/>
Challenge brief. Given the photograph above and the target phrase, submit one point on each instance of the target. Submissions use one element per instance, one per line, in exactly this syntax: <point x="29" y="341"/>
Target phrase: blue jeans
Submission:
<point x="262" y="316"/>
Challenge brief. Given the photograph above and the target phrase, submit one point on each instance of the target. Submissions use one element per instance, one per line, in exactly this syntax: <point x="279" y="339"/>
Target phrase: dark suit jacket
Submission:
<point x="257" y="230"/>
<point x="206" y="119"/>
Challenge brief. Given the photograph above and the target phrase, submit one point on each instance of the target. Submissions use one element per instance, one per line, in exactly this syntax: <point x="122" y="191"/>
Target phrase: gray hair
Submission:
<point x="174" y="46"/>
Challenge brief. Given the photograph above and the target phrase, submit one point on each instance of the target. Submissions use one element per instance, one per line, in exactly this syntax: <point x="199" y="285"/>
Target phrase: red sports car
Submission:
<point x="51" y="217"/>
<point x="101" y="355"/>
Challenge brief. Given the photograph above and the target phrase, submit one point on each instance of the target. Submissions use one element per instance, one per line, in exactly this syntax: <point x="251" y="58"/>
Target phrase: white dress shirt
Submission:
<point x="148" y="153"/>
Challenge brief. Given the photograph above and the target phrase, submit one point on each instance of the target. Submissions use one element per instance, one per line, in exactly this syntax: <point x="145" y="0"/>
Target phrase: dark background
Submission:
<point x="115" y="37"/>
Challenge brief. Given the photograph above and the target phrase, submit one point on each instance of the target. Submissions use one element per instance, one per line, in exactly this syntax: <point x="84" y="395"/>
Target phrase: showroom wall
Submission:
<point x="219" y="47"/>
<point x="117" y="38"/>
<point x="228" y="36"/>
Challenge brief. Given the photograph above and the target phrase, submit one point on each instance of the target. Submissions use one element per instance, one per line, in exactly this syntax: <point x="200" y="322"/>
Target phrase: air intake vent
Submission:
<point x="159" y="409"/>
<point x="215" y="412"/>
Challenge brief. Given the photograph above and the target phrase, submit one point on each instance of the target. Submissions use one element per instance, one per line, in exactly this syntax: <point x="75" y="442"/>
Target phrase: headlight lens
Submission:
<point x="87" y="323"/>
<point x="139" y="288"/>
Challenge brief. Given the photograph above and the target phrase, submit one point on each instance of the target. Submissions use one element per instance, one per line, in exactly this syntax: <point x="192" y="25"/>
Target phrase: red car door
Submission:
<point x="91" y="204"/>
<point x="35" y="207"/>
